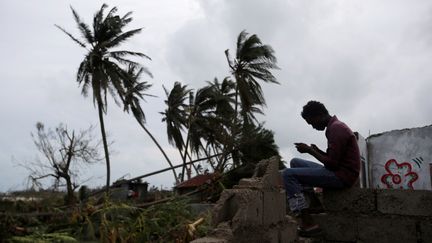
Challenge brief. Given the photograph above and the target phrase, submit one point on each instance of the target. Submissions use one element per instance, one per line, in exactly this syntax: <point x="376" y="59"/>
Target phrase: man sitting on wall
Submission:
<point x="340" y="169"/>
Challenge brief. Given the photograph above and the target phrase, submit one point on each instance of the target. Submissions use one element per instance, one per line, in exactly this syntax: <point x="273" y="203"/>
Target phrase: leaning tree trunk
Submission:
<point x="184" y="156"/>
<point x="160" y="148"/>
<point x="105" y="145"/>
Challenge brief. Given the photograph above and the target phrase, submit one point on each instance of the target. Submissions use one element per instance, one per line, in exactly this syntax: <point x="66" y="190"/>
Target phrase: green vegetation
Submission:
<point x="109" y="222"/>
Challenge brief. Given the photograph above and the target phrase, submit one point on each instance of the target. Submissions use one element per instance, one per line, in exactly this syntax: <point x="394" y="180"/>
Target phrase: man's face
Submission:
<point x="317" y="122"/>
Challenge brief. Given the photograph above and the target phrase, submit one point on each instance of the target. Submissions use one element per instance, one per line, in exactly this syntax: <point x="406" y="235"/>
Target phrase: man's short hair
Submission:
<point x="314" y="108"/>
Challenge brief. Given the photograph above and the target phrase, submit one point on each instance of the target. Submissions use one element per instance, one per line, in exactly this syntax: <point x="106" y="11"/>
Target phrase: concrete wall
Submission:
<point x="401" y="159"/>
<point x="376" y="215"/>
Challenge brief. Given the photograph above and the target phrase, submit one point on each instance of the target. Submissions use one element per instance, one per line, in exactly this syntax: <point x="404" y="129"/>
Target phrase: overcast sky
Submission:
<point x="369" y="62"/>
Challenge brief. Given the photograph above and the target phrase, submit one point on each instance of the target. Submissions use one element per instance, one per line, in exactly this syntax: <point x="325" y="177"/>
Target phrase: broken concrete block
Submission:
<point x="241" y="207"/>
<point x="270" y="173"/>
<point x="265" y="177"/>
<point x="238" y="216"/>
<point x="249" y="183"/>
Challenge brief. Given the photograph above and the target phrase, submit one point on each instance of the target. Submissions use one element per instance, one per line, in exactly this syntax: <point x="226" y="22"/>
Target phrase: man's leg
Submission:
<point x="305" y="173"/>
<point x="302" y="163"/>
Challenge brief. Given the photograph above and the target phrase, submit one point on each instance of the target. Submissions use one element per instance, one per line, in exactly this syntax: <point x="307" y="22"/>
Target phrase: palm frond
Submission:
<point x="111" y="13"/>
<point x="83" y="27"/>
<point x="126" y="19"/>
<point x="125" y="53"/>
<point x="121" y="38"/>
<point x="240" y="42"/>
<point x="72" y="37"/>
<point x="97" y="19"/>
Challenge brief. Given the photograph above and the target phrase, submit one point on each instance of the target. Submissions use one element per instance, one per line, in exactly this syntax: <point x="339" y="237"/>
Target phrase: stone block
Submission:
<point x="354" y="200"/>
<point x="405" y="202"/>
<point x="386" y="229"/>
<point x="337" y="227"/>
<point x="273" y="206"/>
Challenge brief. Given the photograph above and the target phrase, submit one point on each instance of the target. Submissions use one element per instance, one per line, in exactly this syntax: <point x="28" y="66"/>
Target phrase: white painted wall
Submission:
<point x="401" y="158"/>
<point x="364" y="168"/>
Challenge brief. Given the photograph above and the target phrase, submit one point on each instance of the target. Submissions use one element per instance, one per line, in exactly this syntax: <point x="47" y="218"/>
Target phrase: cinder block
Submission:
<point x="274" y="207"/>
<point x="405" y="202"/>
<point x="353" y="200"/>
<point x="426" y="230"/>
<point x="386" y="229"/>
<point x="337" y="227"/>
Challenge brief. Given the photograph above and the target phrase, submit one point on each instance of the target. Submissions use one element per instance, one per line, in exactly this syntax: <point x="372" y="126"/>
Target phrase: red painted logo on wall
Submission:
<point x="399" y="176"/>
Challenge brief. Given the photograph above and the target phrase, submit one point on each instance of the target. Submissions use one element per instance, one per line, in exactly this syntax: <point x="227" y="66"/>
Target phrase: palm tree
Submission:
<point x="175" y="116"/>
<point x="135" y="93"/>
<point x="101" y="70"/>
<point x="253" y="62"/>
<point x="218" y="138"/>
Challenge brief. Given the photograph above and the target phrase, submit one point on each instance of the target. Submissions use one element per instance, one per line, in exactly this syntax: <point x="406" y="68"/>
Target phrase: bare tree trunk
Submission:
<point x="70" y="198"/>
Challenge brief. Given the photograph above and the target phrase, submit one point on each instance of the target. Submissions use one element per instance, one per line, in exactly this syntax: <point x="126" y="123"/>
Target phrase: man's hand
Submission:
<point x="303" y="148"/>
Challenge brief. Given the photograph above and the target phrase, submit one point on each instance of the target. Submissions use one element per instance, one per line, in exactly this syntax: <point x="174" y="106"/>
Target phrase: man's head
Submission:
<point x="316" y="115"/>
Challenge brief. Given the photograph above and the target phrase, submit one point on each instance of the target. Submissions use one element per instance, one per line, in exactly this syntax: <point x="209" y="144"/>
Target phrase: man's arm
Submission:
<point x="312" y="150"/>
<point x="317" y="149"/>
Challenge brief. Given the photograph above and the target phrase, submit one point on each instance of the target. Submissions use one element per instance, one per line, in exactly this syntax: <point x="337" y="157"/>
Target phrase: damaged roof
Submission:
<point x="196" y="181"/>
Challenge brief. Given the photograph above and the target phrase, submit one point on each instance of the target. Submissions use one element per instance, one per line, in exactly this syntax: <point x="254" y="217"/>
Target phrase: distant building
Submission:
<point x="124" y="189"/>
<point x="193" y="184"/>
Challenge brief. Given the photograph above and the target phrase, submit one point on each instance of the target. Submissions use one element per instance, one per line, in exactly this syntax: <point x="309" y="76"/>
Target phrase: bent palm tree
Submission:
<point x="253" y="62"/>
<point x="135" y="92"/>
<point x="101" y="70"/>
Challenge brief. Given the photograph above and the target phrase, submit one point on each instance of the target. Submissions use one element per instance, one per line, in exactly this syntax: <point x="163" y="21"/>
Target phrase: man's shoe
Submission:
<point x="314" y="210"/>
<point x="312" y="231"/>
